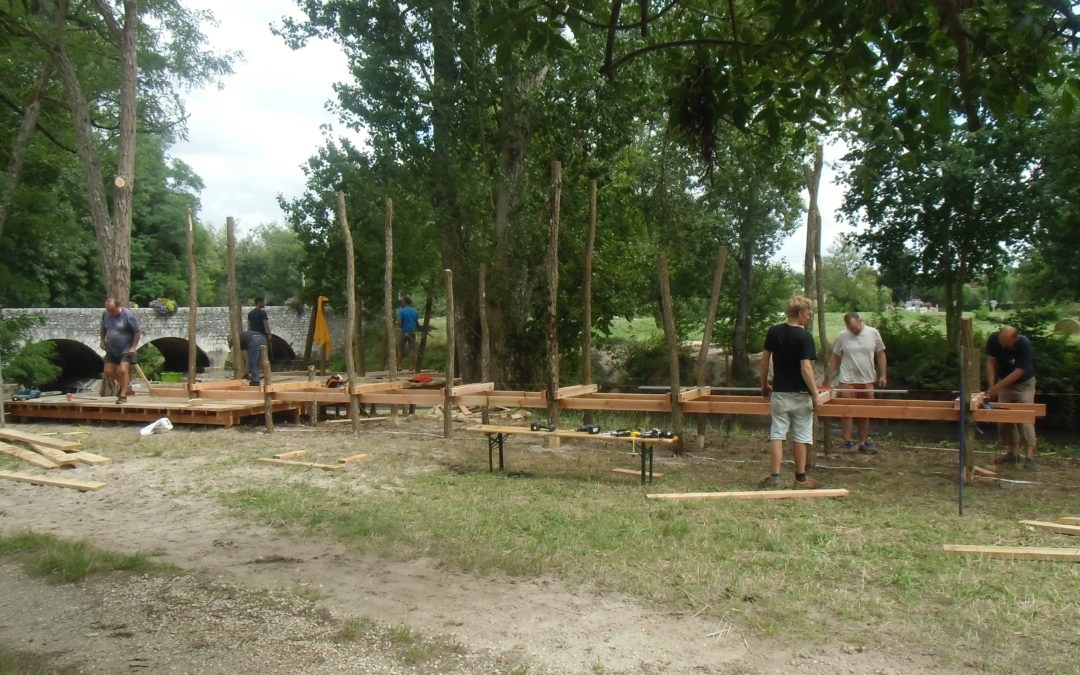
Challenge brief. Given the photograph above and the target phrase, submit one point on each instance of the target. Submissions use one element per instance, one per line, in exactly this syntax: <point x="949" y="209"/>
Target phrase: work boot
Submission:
<point x="1008" y="458"/>
<point x="849" y="446"/>
<point x="808" y="484"/>
<point x="769" y="482"/>
<point x="867" y="447"/>
<point x="1029" y="463"/>
<point x="121" y="399"/>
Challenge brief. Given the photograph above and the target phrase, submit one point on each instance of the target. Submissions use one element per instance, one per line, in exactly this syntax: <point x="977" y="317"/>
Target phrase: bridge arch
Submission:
<point x="175" y="352"/>
<point x="78" y="363"/>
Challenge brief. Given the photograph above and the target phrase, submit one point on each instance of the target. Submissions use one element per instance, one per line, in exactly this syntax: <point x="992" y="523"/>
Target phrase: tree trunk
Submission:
<point x="485" y="341"/>
<point x="668" y="314"/>
<point x="388" y="302"/>
<point x="448" y="391"/>
<point x="426" y="326"/>
<point x="586" y="298"/>
<point x="193" y="304"/>
<point x="812" y="175"/>
<point x="350" y="325"/>
<point x="740" y="358"/>
<point x="706" y="338"/>
<point x="234" y="301"/>
<point x="552" y="267"/>
<point x="22" y="141"/>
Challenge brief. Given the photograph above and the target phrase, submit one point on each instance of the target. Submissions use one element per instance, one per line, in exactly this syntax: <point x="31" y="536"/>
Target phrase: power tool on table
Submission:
<point x="536" y="426"/>
<point x="588" y="429"/>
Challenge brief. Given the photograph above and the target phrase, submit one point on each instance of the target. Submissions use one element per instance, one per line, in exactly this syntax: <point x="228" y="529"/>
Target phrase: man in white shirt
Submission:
<point x="856" y="350"/>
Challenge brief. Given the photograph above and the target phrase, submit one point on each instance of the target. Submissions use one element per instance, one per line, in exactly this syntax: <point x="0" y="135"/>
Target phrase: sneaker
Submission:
<point x="1008" y="458"/>
<point x="849" y="446"/>
<point x="1029" y="463"/>
<point x="121" y="399"/>
<point x="808" y="484"/>
<point x="769" y="482"/>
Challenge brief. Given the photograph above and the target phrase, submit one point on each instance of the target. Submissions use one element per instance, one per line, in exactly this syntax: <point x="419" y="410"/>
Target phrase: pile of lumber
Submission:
<point x="466" y="414"/>
<point x="1069" y="525"/>
<point x="48" y="453"/>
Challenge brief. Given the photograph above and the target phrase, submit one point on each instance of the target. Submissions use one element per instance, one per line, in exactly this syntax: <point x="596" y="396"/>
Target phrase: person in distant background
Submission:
<point x="120" y="333"/>
<point x="407" y="319"/>
<point x="1010" y="370"/>
<point x="258" y="323"/>
<point x="856" y="350"/>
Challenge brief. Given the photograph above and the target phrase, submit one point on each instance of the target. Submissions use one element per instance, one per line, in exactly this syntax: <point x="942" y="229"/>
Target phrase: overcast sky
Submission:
<point x="249" y="139"/>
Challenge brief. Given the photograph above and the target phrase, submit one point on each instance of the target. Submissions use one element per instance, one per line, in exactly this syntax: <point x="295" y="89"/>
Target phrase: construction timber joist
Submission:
<point x="225" y="402"/>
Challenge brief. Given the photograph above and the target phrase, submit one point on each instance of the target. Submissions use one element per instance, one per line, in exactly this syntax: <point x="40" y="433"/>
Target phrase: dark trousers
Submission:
<point x="255" y="342"/>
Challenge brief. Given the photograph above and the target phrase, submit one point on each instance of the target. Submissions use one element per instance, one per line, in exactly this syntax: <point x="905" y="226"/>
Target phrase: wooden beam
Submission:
<point x="90" y="458"/>
<point x="219" y="384"/>
<point x="463" y="389"/>
<point x="576" y="390"/>
<point x="80" y="485"/>
<point x="27" y="456"/>
<point x="58" y="456"/>
<point x="692" y="393"/>
<point x="1069" y="520"/>
<point x="636" y="473"/>
<point x="1057" y="528"/>
<point x="290" y="454"/>
<point x="354" y="458"/>
<point x="1016" y="552"/>
<point x="362" y="419"/>
<point x="27" y="437"/>
<point x="370" y="387"/>
<point x="312" y="465"/>
<point x="753" y="494"/>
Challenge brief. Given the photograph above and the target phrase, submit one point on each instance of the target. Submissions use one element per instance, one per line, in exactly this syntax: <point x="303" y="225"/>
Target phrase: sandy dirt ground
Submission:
<point x="252" y="599"/>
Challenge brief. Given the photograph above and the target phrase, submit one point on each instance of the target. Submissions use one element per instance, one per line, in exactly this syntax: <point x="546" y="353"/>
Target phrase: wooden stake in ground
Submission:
<point x="448" y="392"/>
<point x="969" y="370"/>
<point x="193" y="301"/>
<point x="313" y="407"/>
<point x="234" y="301"/>
<point x="268" y="398"/>
<point x="388" y="303"/>
<point x="485" y="341"/>
<point x="552" y="265"/>
<point x="706" y="338"/>
<point x="813" y="287"/>
<point x="350" y="324"/>
<point x="586" y="295"/>
<point x="667" y="312"/>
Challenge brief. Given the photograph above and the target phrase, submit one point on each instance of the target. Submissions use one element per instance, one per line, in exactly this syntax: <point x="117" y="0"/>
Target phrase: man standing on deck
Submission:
<point x="120" y="333"/>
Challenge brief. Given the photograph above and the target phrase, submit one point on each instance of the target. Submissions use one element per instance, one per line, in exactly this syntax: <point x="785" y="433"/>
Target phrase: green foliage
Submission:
<point x="151" y="361"/>
<point x="1057" y="364"/>
<point x="920" y="356"/>
<point x="647" y="362"/>
<point x="30" y="365"/>
<point x="851" y="285"/>
<point x="65" y="560"/>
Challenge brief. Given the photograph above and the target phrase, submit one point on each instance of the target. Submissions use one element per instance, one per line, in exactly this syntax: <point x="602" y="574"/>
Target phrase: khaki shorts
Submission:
<point x="791" y="410"/>
<point x="1012" y="435"/>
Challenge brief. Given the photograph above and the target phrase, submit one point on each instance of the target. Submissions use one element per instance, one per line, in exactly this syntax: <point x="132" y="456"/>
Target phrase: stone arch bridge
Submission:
<point x="76" y="332"/>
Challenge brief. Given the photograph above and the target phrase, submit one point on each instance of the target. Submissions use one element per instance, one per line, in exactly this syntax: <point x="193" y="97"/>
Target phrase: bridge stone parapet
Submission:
<point x="169" y="333"/>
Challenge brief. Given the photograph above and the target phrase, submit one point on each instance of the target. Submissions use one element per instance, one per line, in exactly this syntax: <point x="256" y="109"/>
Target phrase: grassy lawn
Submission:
<point x="867" y="570"/>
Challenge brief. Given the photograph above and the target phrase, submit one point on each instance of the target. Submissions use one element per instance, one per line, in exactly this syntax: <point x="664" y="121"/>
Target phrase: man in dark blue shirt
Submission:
<point x="259" y="324"/>
<point x="407" y="319"/>
<point x="793" y="394"/>
<point x="1010" y="370"/>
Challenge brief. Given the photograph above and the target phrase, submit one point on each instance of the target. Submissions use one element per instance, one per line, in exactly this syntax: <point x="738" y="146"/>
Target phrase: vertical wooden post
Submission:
<point x="268" y="398"/>
<point x="448" y="391"/>
<point x="552" y="264"/>
<point x="667" y="311"/>
<point x="586" y="296"/>
<point x="824" y="353"/>
<point x="970" y="371"/>
<point x="706" y="338"/>
<point x="313" y="407"/>
<point x="388" y="303"/>
<point x="310" y="340"/>
<point x="350" y="324"/>
<point x="361" y="362"/>
<point x="813" y="284"/>
<point x="234" y="302"/>
<point x="485" y="341"/>
<point x="418" y="365"/>
<point x="193" y="303"/>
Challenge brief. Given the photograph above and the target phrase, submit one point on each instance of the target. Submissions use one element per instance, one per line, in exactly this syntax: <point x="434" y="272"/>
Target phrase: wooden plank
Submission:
<point x="58" y="456"/>
<point x="576" y="390"/>
<point x="372" y="387"/>
<point x="219" y="384"/>
<point x="497" y="429"/>
<point x="1017" y="552"/>
<point x="347" y="420"/>
<point x="290" y="454"/>
<point x="636" y="473"/>
<point x="353" y="458"/>
<point x="1057" y="528"/>
<point x="292" y="386"/>
<point x="339" y="396"/>
<point x="692" y="393"/>
<point x="81" y="485"/>
<point x="984" y="472"/>
<point x="753" y="494"/>
<point x="463" y="389"/>
<point x="27" y="437"/>
<point x="27" y="456"/>
<point x="602" y="402"/>
<point x="90" y="458"/>
<point x="312" y="465"/>
<point x="1069" y="520"/>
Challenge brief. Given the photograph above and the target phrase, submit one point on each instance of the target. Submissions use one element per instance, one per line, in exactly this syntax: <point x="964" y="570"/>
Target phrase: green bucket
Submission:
<point x="172" y="377"/>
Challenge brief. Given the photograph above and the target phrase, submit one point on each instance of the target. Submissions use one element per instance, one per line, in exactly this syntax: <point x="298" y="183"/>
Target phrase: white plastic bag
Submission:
<point x="159" y="427"/>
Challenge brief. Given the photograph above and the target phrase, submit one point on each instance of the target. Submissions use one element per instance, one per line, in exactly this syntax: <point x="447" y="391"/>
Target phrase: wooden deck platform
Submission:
<point x="146" y="409"/>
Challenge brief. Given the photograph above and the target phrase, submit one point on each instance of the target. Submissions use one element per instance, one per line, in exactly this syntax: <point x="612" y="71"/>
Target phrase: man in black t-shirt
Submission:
<point x="258" y="322"/>
<point x="793" y="394"/>
<point x="1010" y="371"/>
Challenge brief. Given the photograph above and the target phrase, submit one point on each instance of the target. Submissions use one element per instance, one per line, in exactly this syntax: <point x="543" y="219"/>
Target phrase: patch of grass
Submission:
<point x="65" y="560"/>
<point x="27" y="664"/>
<point x="820" y="569"/>
<point x="355" y="629"/>
<point x="416" y="650"/>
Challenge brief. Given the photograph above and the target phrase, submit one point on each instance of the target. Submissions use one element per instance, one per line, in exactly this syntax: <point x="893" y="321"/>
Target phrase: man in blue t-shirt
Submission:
<point x="407" y="320"/>
<point x="793" y="394"/>
<point x="1010" y="370"/>
<point x="258" y="323"/>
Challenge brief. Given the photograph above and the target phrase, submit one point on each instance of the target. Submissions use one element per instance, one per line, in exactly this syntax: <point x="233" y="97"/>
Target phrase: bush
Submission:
<point x="30" y="365"/>
<point x="919" y="355"/>
<point x="151" y="361"/>
<point x="647" y="363"/>
<point x="1057" y="363"/>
